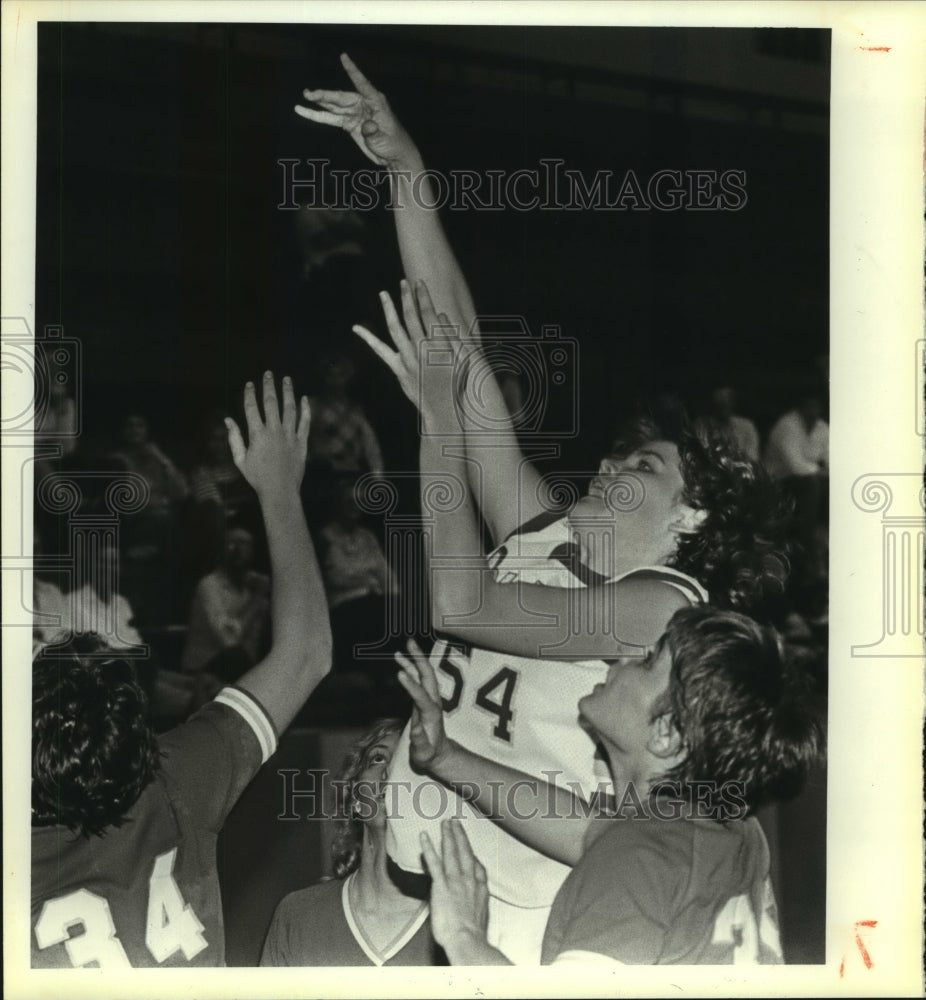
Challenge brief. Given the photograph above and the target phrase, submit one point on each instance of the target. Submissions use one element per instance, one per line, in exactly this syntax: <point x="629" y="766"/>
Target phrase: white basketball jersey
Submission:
<point x="516" y="711"/>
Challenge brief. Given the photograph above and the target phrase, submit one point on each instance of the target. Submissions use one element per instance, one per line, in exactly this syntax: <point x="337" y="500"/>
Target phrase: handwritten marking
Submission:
<point x="860" y="944"/>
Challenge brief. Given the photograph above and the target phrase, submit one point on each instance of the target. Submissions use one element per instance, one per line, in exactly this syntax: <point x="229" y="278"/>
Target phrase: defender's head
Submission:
<point x="360" y="791"/>
<point x="716" y="704"/>
<point x="93" y="752"/>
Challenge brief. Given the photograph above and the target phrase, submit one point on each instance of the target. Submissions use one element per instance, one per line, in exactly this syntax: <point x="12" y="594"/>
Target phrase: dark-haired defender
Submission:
<point x="124" y="825"/>
<point x="698" y="734"/>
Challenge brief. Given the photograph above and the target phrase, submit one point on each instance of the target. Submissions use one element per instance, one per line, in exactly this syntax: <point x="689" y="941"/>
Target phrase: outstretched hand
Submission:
<point x="428" y="740"/>
<point x="418" y="379"/>
<point x="459" y="893"/>
<point x="366" y="117"/>
<point x="273" y="461"/>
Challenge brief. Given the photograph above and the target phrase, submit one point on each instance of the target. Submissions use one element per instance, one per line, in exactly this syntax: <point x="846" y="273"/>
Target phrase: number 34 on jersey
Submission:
<point x="171" y="924"/>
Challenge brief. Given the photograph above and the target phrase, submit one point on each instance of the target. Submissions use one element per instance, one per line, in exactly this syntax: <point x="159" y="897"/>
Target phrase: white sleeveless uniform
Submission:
<point x="522" y="713"/>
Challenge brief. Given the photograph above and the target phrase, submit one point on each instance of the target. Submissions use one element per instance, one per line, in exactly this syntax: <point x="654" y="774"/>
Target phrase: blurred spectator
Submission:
<point x="216" y="480"/>
<point x="139" y="454"/>
<point x="797" y="454"/>
<point x="798" y="444"/>
<point x="352" y="560"/>
<point x="361" y="588"/>
<point x="341" y="435"/>
<point x="739" y="431"/>
<point x="229" y="617"/>
<point x="220" y="495"/>
<point x="325" y="235"/>
<point x="51" y="608"/>
<point x="97" y="606"/>
<point x="150" y="545"/>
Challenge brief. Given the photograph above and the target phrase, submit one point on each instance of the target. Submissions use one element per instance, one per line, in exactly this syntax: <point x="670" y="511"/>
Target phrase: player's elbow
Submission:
<point x="445" y="598"/>
<point x="319" y="654"/>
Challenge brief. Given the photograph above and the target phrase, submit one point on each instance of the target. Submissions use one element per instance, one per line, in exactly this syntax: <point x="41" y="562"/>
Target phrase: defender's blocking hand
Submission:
<point x="274" y="458"/>
<point x="428" y="740"/>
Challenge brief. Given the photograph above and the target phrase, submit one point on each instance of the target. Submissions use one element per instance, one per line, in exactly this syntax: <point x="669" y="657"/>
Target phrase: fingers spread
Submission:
<point x="396" y="331"/>
<point x="408" y="665"/>
<point x="391" y="358"/>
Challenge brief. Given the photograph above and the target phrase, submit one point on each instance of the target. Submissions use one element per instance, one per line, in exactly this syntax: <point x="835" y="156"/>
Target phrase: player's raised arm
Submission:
<point x="544" y="816"/>
<point x="365" y="115"/>
<point x="273" y="462"/>
<point x="428" y="257"/>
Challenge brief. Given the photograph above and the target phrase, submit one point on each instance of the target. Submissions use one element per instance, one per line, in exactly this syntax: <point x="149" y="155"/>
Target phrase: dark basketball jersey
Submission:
<point x="317" y="926"/>
<point x="668" y="892"/>
<point x="147" y="892"/>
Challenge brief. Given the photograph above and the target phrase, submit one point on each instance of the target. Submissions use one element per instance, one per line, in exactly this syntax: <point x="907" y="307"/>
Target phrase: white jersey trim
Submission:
<point x="394" y="946"/>
<point x="576" y="956"/>
<point x="242" y="703"/>
<point x="672" y="577"/>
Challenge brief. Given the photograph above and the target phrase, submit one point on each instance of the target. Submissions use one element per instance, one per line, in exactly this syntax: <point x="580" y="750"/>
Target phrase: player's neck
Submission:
<point x="637" y="769"/>
<point x="599" y="552"/>
<point x="372" y="884"/>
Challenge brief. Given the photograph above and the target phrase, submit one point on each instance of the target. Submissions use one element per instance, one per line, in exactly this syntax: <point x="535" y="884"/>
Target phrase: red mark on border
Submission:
<point x="866" y="958"/>
<point x="860" y="944"/>
<point x="875" y="48"/>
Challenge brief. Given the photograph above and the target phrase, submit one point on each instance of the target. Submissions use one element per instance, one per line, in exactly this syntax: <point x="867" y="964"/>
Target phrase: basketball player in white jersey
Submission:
<point x="664" y="524"/>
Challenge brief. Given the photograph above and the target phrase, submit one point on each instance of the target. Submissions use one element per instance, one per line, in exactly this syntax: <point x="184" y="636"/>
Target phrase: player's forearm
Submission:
<point x="619" y="619"/>
<point x="456" y="539"/>
<point x="423" y="245"/>
<point x="300" y="654"/>
<point x="542" y="815"/>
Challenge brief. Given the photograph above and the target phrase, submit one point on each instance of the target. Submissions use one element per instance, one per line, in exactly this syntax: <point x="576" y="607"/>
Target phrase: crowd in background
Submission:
<point x="190" y="572"/>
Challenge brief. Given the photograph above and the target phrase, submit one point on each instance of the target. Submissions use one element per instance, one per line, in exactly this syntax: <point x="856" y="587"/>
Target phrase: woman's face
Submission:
<point x="369" y="785"/>
<point x="639" y="495"/>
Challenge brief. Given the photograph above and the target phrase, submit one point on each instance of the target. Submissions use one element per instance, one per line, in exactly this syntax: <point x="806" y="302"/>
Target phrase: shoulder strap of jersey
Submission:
<point x="538" y="523"/>
<point x="690" y="587"/>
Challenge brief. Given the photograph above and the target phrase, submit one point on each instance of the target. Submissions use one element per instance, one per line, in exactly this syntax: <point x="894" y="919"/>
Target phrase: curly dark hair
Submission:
<point x="739" y="552"/>
<point x="93" y="751"/>
<point x="348" y="838"/>
<point x="742" y="713"/>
